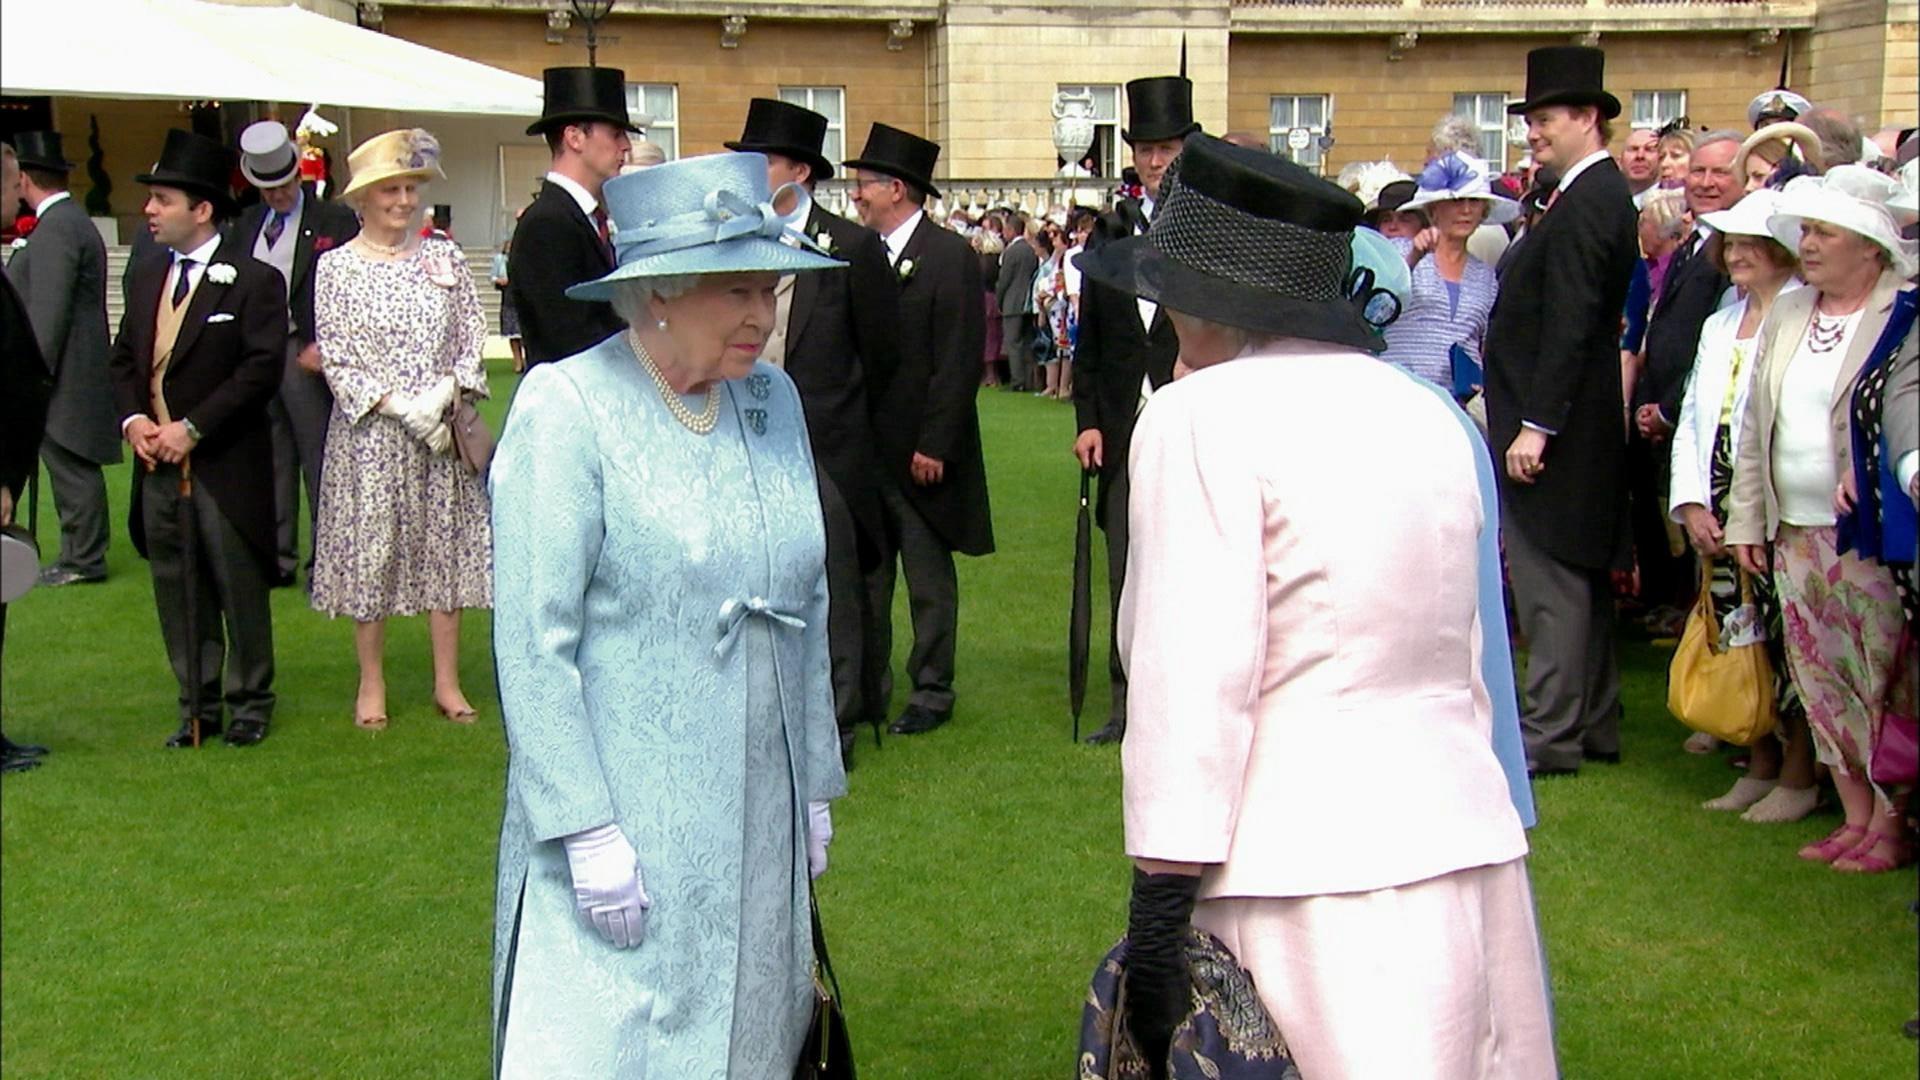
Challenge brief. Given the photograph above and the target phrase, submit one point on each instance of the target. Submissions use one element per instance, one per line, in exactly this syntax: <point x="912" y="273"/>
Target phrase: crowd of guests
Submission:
<point x="1709" y="341"/>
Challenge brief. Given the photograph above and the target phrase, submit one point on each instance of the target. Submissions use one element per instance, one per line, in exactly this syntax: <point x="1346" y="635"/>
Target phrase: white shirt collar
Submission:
<point x="201" y="255"/>
<point x="41" y="210"/>
<point x="588" y="204"/>
<point x="1147" y="205"/>
<point x="1581" y="166"/>
<point x="897" y="239"/>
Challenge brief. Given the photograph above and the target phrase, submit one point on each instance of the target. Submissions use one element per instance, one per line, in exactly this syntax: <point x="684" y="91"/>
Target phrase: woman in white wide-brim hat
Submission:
<point x="660" y="634"/>
<point x="1788" y="513"/>
<point x="1778" y="785"/>
<point x="1438" y="336"/>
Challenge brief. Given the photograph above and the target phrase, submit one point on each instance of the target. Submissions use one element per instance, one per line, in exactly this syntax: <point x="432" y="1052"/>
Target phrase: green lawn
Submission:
<point x="321" y="905"/>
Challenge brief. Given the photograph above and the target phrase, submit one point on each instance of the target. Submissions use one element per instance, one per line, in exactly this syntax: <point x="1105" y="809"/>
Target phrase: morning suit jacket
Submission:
<point x="62" y="276"/>
<point x="1013" y="289"/>
<point x="223" y="373"/>
<point x="842" y="345"/>
<point x="554" y="246"/>
<point x="1115" y="353"/>
<point x="928" y="404"/>
<point x="25" y="386"/>
<point x="1553" y="359"/>
<point x="323" y="226"/>
<point x="1690" y="292"/>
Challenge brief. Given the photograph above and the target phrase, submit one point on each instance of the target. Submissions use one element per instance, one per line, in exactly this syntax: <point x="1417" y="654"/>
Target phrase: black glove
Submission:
<point x="1159" y="987"/>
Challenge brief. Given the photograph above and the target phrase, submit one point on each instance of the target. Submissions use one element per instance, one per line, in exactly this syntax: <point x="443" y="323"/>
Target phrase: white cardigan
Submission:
<point x="1700" y="409"/>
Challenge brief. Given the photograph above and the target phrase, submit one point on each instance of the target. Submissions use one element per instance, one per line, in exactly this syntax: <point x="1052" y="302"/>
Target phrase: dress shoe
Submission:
<point x="1534" y="771"/>
<point x="246" y="732"/>
<point x="14" y="763"/>
<point x="14" y="749"/>
<point x="917" y="720"/>
<point x="1112" y="732"/>
<point x="1610" y="757"/>
<point x="285" y="579"/>
<point x="55" y="576"/>
<point x="183" y="739"/>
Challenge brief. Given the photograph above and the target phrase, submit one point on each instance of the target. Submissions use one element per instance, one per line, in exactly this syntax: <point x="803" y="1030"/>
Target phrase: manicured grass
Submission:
<point x="320" y="906"/>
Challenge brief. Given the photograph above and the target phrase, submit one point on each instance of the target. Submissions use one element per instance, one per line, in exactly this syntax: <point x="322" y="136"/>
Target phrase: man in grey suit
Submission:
<point x="1014" y="291"/>
<point x="62" y="275"/>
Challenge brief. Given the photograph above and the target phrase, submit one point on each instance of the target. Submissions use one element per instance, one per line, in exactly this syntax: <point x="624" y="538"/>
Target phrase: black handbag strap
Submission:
<point x="820" y="943"/>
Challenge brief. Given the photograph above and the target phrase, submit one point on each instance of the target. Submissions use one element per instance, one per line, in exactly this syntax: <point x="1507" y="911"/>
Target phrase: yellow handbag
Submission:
<point x="1727" y="693"/>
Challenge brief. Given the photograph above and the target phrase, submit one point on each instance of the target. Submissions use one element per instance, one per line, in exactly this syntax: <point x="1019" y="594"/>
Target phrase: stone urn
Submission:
<point x="1073" y="126"/>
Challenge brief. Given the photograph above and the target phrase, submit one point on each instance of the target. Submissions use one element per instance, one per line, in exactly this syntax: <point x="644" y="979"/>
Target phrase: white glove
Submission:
<point x="429" y="409"/>
<point x="606" y="884"/>
<point x="440" y="439"/>
<point x="410" y="412"/>
<point x="819" y="835"/>
<point x="440" y="397"/>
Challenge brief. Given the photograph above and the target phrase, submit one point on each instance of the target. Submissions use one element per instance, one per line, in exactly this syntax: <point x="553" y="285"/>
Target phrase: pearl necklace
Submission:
<point x="384" y="249"/>
<point x="702" y="424"/>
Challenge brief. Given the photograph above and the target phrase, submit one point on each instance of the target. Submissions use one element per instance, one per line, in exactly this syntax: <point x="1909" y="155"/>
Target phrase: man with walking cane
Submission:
<point x="199" y="355"/>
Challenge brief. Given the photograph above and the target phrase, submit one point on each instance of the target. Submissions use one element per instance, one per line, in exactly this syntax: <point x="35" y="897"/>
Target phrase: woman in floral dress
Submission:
<point x="403" y="524"/>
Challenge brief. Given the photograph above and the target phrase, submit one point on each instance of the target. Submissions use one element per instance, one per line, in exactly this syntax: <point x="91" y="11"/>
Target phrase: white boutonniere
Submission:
<point x="824" y="241"/>
<point x="19" y="243"/>
<point x="220" y="273"/>
<point x="906" y="268"/>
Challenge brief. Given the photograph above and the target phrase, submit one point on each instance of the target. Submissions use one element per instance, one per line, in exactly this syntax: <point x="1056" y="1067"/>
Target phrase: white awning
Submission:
<point x="193" y="50"/>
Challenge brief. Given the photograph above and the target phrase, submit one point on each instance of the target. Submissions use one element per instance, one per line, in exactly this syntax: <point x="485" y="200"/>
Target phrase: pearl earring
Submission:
<point x="662" y="324"/>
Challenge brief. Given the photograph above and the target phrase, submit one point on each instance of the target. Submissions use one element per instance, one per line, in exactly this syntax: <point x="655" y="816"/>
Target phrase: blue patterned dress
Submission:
<point x="660" y="638"/>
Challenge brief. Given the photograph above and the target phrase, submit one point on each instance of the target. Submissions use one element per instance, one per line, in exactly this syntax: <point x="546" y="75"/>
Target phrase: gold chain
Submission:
<point x="702" y="424"/>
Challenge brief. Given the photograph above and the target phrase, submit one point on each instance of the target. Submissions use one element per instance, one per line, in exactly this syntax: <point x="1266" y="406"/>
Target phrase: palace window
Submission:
<point x="660" y="101"/>
<point x="1106" y="127"/>
<point x="1295" y="125"/>
<point x="830" y="102"/>
<point x="1488" y="111"/>
<point x="1658" y="108"/>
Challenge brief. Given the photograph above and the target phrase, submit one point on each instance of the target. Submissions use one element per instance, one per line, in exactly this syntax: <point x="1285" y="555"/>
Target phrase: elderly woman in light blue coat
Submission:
<point x="660" y="638"/>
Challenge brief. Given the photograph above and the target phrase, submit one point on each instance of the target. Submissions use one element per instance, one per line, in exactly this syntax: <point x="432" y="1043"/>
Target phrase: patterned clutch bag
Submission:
<point x="1228" y="1036"/>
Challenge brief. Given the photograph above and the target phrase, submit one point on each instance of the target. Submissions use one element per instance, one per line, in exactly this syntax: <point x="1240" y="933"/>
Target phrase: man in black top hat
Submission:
<point x="562" y="238"/>
<point x="1555" y="412"/>
<point x="62" y="276"/>
<point x="836" y="333"/>
<point x="288" y="229"/>
<point x="934" y="499"/>
<point x="25" y="386"/>
<point x="199" y="355"/>
<point x="1125" y="341"/>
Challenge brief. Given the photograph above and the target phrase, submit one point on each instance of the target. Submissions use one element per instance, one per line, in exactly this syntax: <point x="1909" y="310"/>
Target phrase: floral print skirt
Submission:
<point x="401" y="530"/>
<point x="1843" y="622"/>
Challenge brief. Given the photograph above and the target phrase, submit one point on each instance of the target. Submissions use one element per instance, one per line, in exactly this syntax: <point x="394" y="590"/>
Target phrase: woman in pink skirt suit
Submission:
<point x="1309" y="767"/>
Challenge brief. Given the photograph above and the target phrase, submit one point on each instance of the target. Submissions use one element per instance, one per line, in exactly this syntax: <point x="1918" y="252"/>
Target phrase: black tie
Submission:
<point x="180" y="287"/>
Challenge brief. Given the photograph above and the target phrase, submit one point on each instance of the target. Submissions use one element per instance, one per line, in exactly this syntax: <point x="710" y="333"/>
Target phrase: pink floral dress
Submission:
<point x="401" y="529"/>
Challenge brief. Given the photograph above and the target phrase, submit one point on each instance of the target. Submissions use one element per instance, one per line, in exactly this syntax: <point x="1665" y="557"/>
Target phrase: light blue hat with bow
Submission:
<point x="710" y="214"/>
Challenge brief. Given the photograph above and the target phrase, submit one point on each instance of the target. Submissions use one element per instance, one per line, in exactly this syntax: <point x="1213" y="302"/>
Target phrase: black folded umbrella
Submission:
<point x="1079" y="622"/>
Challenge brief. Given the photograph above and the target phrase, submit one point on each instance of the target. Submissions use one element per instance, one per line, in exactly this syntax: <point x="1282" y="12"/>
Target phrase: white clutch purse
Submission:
<point x="19" y="562"/>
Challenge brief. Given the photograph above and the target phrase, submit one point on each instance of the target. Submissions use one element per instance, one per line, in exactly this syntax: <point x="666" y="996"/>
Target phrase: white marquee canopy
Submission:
<point x="195" y="50"/>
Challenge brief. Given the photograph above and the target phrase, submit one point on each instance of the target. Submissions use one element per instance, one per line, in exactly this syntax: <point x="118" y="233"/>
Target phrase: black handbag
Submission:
<point x="827" y="1053"/>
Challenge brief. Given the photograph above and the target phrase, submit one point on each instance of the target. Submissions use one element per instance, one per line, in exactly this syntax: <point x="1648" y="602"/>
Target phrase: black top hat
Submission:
<point x="1567" y="75"/>
<point x="900" y="154"/>
<point x="40" y="150"/>
<point x="196" y="165"/>
<point x="1159" y="108"/>
<point x="781" y="127"/>
<point x="1247" y="239"/>
<point x="578" y="95"/>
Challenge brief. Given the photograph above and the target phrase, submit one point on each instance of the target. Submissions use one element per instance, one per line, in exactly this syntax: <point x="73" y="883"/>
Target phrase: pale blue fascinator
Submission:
<point x="710" y="214"/>
<point x="1390" y="276"/>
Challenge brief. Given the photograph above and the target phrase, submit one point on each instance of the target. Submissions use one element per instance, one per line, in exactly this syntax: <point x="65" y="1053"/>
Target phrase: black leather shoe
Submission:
<point x="245" y="732"/>
<point x="183" y="739"/>
<point x="1534" y="771"/>
<point x="55" y="576"/>
<point x="1112" y="732"/>
<point x="14" y="749"/>
<point x="285" y="579"/>
<point x="916" y="720"/>
<point x="1604" y="758"/>
<point x="12" y="763"/>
